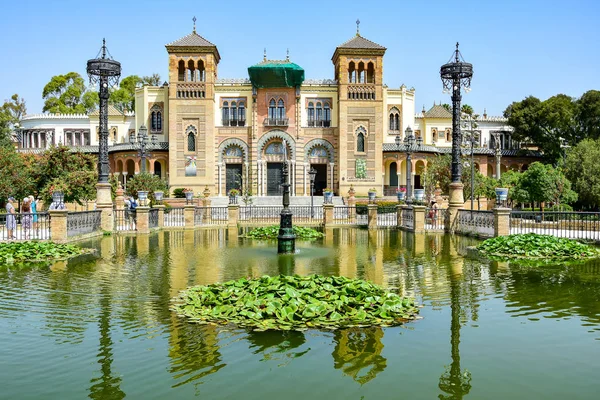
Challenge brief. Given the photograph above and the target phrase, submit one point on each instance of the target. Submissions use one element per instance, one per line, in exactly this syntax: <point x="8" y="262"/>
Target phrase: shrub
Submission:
<point x="534" y="246"/>
<point x="179" y="193"/>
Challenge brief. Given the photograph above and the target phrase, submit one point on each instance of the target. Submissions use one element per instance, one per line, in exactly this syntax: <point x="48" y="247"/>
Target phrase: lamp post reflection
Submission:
<point x="358" y="351"/>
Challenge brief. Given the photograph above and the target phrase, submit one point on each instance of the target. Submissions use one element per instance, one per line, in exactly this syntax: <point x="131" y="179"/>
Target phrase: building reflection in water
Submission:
<point x="358" y="351"/>
<point x="274" y="345"/>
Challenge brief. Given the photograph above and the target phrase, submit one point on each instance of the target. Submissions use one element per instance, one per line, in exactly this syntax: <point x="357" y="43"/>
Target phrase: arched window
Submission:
<point x="327" y="115"/>
<point x="191" y="71"/>
<point x="320" y="113"/>
<point x="272" y="110"/>
<point x="397" y="120"/>
<point x="225" y="113"/>
<point x="241" y="114"/>
<point x="158" y="121"/>
<point x="234" y="113"/>
<point x="191" y="141"/>
<point x="351" y="72"/>
<point x="280" y="110"/>
<point x="201" y="72"/>
<point x="370" y="73"/>
<point x="154" y="123"/>
<point x="394" y="119"/>
<point x="360" y="139"/>
<point x="361" y="72"/>
<point x="181" y="71"/>
<point x="391" y="122"/>
<point x="311" y="114"/>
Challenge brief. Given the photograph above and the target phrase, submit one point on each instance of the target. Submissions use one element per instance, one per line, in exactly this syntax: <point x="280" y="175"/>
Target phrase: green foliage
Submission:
<point x="145" y="182"/>
<point x="543" y="183"/>
<point x="556" y="121"/>
<point x="124" y="97"/>
<point x="16" y="178"/>
<point x="383" y="207"/>
<point x="34" y="251"/>
<point x="179" y="193"/>
<point x="11" y="113"/>
<point x="295" y="303"/>
<point x="68" y="94"/>
<point x="536" y="246"/>
<point x="73" y="172"/>
<point x="582" y="167"/>
<point x="271" y="232"/>
<point x="151" y="80"/>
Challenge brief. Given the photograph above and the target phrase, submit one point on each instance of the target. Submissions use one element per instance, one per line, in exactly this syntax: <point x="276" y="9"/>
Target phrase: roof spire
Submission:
<point x="423" y="110"/>
<point x="194" y="19"/>
<point x="103" y="47"/>
<point x="358" y="27"/>
<point x="265" y="54"/>
<point x="287" y="57"/>
<point x="457" y="53"/>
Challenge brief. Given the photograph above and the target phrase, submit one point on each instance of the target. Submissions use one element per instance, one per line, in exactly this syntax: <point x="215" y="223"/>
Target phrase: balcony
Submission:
<point x="276" y="121"/>
<point x="234" y="122"/>
<point x="319" y="124"/>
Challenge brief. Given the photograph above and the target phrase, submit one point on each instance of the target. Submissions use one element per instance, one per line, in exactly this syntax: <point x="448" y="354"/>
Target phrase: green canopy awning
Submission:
<point x="272" y="74"/>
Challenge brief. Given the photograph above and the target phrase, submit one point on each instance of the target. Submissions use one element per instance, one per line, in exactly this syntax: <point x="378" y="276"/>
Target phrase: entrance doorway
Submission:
<point x="233" y="177"/>
<point x="320" y="178"/>
<point x="394" y="175"/>
<point x="274" y="179"/>
<point x="418" y="182"/>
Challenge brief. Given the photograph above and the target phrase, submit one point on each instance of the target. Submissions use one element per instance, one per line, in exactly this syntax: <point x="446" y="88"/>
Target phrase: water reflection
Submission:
<point x="273" y="345"/>
<point x="357" y="353"/>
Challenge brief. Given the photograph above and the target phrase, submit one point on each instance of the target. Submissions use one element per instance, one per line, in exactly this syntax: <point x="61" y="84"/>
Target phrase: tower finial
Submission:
<point x="456" y="56"/>
<point x="358" y="27"/>
<point x="265" y="54"/>
<point x="194" y="19"/>
<point x="287" y="57"/>
<point x="103" y="47"/>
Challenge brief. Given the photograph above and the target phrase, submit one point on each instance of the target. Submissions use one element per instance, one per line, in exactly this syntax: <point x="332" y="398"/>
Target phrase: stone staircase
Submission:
<point x="220" y="201"/>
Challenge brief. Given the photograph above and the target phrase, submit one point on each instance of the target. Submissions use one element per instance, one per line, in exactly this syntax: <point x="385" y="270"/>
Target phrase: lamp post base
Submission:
<point x="456" y="202"/>
<point x="286" y="240"/>
<point x="104" y="204"/>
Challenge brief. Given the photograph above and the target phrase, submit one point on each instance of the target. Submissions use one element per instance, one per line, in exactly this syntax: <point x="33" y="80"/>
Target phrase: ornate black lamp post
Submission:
<point x="312" y="174"/>
<point x="409" y="148"/>
<point x="286" y="240"/>
<point x="141" y="144"/>
<point x="454" y="74"/>
<point x="106" y="71"/>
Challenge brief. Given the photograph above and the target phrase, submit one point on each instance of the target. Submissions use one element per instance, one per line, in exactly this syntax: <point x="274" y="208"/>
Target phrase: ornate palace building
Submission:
<point x="238" y="133"/>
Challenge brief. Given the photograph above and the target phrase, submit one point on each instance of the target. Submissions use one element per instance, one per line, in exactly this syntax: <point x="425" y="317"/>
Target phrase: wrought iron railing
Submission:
<point x="344" y="215"/>
<point x="276" y="121"/>
<point x="475" y="222"/>
<point x="153" y="218"/>
<point x="260" y="214"/>
<point x="574" y="225"/>
<point x="435" y="218"/>
<point x="25" y="226"/>
<point x="125" y="220"/>
<point x="303" y="214"/>
<point x="319" y="123"/>
<point x="387" y="216"/>
<point x="174" y="216"/>
<point x="218" y="215"/>
<point x="82" y="222"/>
<point x="408" y="218"/>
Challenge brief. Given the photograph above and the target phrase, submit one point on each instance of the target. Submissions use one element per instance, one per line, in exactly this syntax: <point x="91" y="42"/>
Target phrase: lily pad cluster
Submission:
<point x="295" y="303"/>
<point x="34" y="251"/>
<point x="534" y="246"/>
<point x="271" y="232"/>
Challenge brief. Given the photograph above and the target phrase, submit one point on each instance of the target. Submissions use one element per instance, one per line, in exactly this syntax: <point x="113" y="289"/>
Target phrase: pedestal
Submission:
<point x="58" y="225"/>
<point x="372" y="215"/>
<point x="104" y="204"/>
<point x="501" y="221"/>
<point x="233" y="214"/>
<point x="328" y="214"/>
<point x="456" y="202"/>
<point x="286" y="241"/>
<point x="143" y="219"/>
<point x="188" y="215"/>
<point x="419" y="219"/>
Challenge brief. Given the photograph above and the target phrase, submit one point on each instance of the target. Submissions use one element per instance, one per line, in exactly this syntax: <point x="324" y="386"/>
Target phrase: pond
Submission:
<point x="101" y="328"/>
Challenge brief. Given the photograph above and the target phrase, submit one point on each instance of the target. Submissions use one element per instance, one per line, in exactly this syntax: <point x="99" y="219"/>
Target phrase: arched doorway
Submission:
<point x="419" y="170"/>
<point x="232" y="159"/>
<point x="393" y="175"/>
<point x="276" y="155"/>
<point x="158" y="169"/>
<point x="130" y="168"/>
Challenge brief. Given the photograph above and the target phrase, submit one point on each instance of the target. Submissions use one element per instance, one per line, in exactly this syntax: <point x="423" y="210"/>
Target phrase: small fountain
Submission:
<point x="286" y="240"/>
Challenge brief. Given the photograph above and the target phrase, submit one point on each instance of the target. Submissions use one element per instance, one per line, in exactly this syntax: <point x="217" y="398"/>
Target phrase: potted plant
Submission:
<point x="419" y="194"/>
<point x="57" y="190"/>
<point x="158" y="195"/>
<point x="401" y="194"/>
<point x="142" y="197"/>
<point x="372" y="194"/>
<point x="328" y="195"/>
<point x="206" y="192"/>
<point x="501" y="195"/>
<point x="233" y="194"/>
<point x="351" y="192"/>
<point x="189" y="194"/>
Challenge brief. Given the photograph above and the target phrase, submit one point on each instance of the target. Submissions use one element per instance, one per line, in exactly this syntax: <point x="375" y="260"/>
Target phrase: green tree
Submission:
<point x="68" y="94"/>
<point x="447" y="107"/>
<point x="588" y="114"/>
<point x="11" y="113"/>
<point x="583" y="169"/>
<point x="76" y="171"/>
<point x="15" y="175"/>
<point x="151" y="80"/>
<point x="467" y="109"/>
<point x="124" y="97"/>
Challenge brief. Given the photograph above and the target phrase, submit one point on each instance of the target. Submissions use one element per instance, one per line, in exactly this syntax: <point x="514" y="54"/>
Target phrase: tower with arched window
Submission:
<point x="193" y="64"/>
<point x="358" y="69"/>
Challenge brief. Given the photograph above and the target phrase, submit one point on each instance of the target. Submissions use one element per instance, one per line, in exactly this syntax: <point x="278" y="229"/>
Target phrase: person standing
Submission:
<point x="26" y="217"/>
<point x="11" y="220"/>
<point x="33" y="203"/>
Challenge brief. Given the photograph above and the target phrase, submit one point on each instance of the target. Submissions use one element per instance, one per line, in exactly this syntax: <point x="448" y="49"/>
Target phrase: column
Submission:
<point x="143" y="219"/>
<point x="501" y="221"/>
<point x="399" y="215"/>
<point x="188" y="215"/>
<point x="233" y="215"/>
<point x="258" y="179"/>
<point x="331" y="186"/>
<point x="327" y="214"/>
<point x="58" y="225"/>
<point x="161" y="215"/>
<point x="419" y="219"/>
<point x="306" y="190"/>
<point x="246" y="184"/>
<point x="372" y="215"/>
<point x="293" y="178"/>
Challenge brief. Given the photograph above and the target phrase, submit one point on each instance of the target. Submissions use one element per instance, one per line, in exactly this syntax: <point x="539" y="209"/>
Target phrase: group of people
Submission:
<point x="130" y="207"/>
<point x="29" y="217"/>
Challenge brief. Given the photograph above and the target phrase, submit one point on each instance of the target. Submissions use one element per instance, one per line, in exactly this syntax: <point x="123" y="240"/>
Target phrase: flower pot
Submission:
<point x="419" y="194"/>
<point x="158" y="195"/>
<point x="372" y="196"/>
<point x="142" y="197"/>
<point x="58" y="197"/>
<point x="189" y="195"/>
<point x="502" y="194"/>
<point x="328" y="196"/>
<point x="401" y="196"/>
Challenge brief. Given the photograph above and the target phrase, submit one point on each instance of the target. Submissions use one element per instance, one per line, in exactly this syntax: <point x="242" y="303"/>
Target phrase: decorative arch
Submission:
<point x="319" y="142"/>
<point x="276" y="134"/>
<point x="191" y="135"/>
<point x="227" y="143"/>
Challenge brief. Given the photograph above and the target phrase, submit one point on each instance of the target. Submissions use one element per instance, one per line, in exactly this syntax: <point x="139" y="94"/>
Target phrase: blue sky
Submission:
<point x="518" y="48"/>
